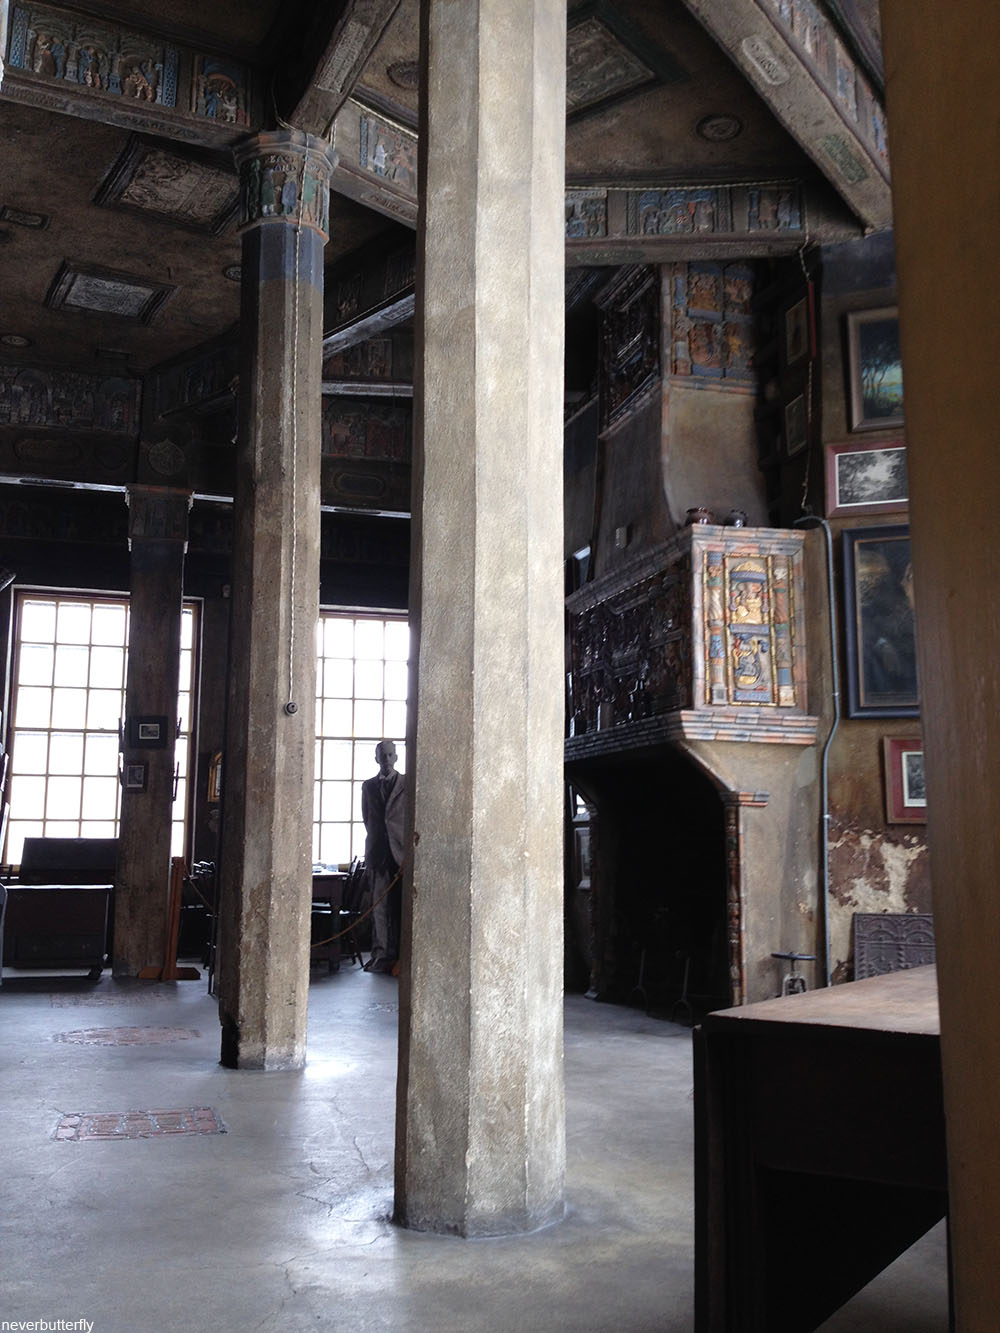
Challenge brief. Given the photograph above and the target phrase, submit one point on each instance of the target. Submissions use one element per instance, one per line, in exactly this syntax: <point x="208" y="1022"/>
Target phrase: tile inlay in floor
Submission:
<point x="125" y="1036"/>
<point x="102" y="999"/>
<point x="138" y="1124"/>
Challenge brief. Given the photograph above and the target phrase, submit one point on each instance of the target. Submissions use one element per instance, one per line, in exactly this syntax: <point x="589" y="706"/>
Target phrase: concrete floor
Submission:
<point x="282" y="1223"/>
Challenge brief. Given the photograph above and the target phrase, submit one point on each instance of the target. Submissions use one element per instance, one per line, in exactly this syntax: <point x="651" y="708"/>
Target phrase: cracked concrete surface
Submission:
<point x="282" y="1224"/>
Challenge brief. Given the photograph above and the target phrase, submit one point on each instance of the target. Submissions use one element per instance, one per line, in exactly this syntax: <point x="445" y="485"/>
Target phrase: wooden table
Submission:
<point x="327" y="899"/>
<point x="819" y="1148"/>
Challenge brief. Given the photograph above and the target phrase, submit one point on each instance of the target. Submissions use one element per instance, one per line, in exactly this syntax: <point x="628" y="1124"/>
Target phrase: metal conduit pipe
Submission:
<point x="814" y="521"/>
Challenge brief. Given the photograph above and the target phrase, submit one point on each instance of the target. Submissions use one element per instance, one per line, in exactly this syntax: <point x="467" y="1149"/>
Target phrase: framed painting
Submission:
<point x="879" y="623"/>
<point x="866" y="477"/>
<point x="905" y="788"/>
<point x="798" y="339"/>
<point x="875" y="369"/>
<point x="796" y="426"/>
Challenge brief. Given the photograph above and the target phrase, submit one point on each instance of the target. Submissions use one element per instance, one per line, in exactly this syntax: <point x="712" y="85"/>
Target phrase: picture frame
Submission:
<point x="875" y="369"/>
<point x="796" y="426"/>
<point x="134" y="777"/>
<point x="800" y="329"/>
<point x="905" y="786"/>
<point x="880" y="627"/>
<point x="866" y="477"/>
<point x="215" y="778"/>
<point x="146" y="732"/>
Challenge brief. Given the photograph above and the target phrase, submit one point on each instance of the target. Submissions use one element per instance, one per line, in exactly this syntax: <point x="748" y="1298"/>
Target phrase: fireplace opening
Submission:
<point x="657" y="882"/>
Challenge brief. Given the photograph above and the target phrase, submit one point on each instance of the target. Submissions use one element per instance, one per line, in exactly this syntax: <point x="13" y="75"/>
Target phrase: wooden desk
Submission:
<point x="327" y="898"/>
<point x="819" y="1148"/>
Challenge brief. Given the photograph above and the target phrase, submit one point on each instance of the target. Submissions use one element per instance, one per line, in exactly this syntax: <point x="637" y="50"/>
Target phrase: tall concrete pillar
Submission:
<point x="480" y="1129"/>
<point x="942" y="86"/>
<point x="157" y="527"/>
<point x="267" y="775"/>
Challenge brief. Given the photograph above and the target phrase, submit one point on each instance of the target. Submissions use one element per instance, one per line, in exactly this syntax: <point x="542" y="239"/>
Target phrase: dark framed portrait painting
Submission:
<point x="880" y="626"/>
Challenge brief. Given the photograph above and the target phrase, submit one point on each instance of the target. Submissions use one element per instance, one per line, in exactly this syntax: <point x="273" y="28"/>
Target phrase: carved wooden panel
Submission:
<point x="892" y="942"/>
<point x="630" y="340"/>
<point x="630" y="652"/>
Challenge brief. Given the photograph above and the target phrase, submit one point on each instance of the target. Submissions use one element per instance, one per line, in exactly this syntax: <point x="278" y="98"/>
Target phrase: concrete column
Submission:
<point x="943" y="84"/>
<point x="267" y="775"/>
<point x="157" y="541"/>
<point x="480" y="1130"/>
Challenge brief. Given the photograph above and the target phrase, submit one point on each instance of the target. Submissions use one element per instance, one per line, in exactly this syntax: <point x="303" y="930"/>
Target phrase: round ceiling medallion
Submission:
<point x="14" y="340"/>
<point x="717" y="129"/>
<point x="405" y="74"/>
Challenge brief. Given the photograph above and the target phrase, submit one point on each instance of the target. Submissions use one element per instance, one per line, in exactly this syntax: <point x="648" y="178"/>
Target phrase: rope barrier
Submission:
<point x="367" y="912"/>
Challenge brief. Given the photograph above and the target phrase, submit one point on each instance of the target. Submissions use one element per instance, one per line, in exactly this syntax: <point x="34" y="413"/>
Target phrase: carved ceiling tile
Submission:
<point x="104" y="292"/>
<point x="183" y="188"/>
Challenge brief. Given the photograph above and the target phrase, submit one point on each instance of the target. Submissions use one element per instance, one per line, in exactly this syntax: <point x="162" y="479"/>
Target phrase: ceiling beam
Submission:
<point x="334" y="51"/>
<point x="813" y="83"/>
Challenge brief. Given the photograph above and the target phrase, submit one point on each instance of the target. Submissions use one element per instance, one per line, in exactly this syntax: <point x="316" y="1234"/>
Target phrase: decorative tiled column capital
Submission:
<point x="285" y="177"/>
<point x="158" y="513"/>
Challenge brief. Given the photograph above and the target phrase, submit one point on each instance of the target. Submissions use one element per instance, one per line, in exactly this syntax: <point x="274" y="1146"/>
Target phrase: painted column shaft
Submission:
<point x="267" y="789"/>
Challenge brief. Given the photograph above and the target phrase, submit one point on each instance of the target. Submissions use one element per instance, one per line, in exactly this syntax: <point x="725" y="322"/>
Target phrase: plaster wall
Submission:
<point x="709" y="454"/>
<point x="777" y="854"/>
<point x="874" y="866"/>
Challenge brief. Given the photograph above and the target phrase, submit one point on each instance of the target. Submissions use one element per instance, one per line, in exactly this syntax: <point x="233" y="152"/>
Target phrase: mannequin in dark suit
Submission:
<point x="382" y="811"/>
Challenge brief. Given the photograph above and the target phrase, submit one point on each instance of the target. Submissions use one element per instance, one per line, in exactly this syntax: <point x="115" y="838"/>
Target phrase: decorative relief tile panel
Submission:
<point x="220" y="90"/>
<point x="389" y="152"/>
<point x="60" y="45"/>
<point x="380" y="433"/>
<point x="105" y="70"/>
<point x="712" y="320"/>
<point x="586" y="213"/>
<point x="42" y="396"/>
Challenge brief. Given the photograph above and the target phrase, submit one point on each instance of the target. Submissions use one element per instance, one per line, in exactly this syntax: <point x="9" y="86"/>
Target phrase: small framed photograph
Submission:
<point x="135" y="777"/>
<point x="796" y="426"/>
<point x="866" y="477"/>
<point x="798" y="342"/>
<point x="875" y="369"/>
<point x="905" y="788"/>
<point x="146" y="733"/>
<point x="879" y="622"/>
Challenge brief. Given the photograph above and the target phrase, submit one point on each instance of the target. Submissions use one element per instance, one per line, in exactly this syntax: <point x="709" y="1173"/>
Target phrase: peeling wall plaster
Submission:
<point x="872" y="871"/>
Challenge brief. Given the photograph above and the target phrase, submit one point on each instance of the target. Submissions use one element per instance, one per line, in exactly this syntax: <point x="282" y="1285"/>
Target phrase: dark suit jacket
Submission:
<point x="383" y="822"/>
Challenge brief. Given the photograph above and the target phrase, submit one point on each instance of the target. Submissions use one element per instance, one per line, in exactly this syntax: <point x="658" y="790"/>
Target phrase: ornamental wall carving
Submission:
<point x="701" y="638"/>
<point x="106" y="70"/>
